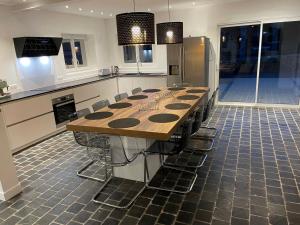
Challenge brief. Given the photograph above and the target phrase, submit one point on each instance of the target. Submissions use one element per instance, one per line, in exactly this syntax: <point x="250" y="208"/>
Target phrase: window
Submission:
<point x="143" y="53"/>
<point x="74" y="52"/>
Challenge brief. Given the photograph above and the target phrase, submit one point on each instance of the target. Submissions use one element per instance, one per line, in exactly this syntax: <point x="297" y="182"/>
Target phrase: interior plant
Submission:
<point x="3" y="84"/>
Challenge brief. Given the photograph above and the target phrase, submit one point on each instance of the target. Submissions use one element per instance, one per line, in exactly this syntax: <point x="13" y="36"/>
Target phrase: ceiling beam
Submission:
<point x="36" y="4"/>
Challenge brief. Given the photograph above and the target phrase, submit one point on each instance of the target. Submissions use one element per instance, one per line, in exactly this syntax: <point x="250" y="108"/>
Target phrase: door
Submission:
<point x="239" y="51"/>
<point x="195" y="61"/>
<point x="279" y="79"/>
<point x="174" y="58"/>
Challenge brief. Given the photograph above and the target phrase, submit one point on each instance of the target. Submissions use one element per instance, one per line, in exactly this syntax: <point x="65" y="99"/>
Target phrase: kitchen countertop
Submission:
<point x="72" y="84"/>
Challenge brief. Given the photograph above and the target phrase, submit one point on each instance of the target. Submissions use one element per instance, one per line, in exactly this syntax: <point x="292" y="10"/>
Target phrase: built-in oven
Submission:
<point x="62" y="108"/>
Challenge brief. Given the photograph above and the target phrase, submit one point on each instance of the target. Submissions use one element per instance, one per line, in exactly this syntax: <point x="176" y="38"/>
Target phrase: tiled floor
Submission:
<point x="253" y="177"/>
<point x="270" y="90"/>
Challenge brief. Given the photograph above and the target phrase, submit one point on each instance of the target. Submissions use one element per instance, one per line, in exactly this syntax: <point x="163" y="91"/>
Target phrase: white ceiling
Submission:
<point x="106" y="8"/>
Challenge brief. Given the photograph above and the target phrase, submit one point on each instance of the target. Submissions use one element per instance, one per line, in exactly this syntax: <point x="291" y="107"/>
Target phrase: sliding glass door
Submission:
<point x="279" y="77"/>
<point x="238" y="63"/>
<point x="274" y="49"/>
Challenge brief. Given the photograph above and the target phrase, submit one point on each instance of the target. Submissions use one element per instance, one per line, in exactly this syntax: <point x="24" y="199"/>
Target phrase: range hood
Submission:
<point x="37" y="46"/>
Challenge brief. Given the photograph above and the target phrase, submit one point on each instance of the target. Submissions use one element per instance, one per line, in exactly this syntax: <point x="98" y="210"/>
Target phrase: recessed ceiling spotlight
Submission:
<point x="92" y="11"/>
<point x="24" y="0"/>
<point x="80" y="9"/>
<point x="194" y="3"/>
<point x="111" y="14"/>
<point x="149" y="10"/>
<point x="101" y="13"/>
<point x="67" y="6"/>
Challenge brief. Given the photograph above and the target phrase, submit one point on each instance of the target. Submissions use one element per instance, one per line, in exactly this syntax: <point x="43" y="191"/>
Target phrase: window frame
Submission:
<point x="72" y="38"/>
<point x="137" y="54"/>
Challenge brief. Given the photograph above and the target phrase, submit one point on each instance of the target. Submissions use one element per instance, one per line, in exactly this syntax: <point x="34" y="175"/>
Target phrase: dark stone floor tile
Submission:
<point x="240" y="213"/>
<point x="185" y="217"/>
<point x="64" y="218"/>
<point x="189" y="207"/>
<point x="154" y="210"/>
<point x="147" y="220"/>
<point x="239" y="221"/>
<point x="110" y="221"/>
<point x="136" y="211"/>
<point x="257" y="220"/>
<point x="293" y="218"/>
<point x="82" y="216"/>
<point x="46" y="219"/>
<point x="12" y="220"/>
<point x="129" y="220"/>
<point x="75" y="208"/>
<point x="171" y="208"/>
<point x="166" y="219"/>
<point x="278" y="220"/>
<point x="204" y="215"/>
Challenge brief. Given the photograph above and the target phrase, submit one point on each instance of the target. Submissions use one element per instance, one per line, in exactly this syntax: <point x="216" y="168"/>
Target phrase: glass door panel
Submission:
<point x="239" y="48"/>
<point x="280" y="64"/>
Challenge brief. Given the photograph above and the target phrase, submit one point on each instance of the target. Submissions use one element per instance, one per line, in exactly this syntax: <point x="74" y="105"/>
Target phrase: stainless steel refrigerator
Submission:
<point x="188" y="63"/>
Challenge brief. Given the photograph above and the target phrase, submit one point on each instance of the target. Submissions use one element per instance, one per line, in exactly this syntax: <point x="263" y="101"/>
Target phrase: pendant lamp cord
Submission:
<point x="169" y="10"/>
<point x="133" y="5"/>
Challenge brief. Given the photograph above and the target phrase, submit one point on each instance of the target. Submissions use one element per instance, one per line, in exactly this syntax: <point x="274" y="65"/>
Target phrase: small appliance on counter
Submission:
<point x="104" y="72"/>
<point x="3" y="92"/>
<point x="115" y="69"/>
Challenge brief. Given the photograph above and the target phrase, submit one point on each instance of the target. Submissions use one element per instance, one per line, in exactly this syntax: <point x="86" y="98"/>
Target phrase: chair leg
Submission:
<point x="146" y="174"/>
<point x="200" y="164"/>
<point x="79" y="173"/>
<point x="177" y="169"/>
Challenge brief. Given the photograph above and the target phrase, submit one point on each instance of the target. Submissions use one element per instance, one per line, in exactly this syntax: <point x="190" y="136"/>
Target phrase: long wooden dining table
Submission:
<point x="153" y="114"/>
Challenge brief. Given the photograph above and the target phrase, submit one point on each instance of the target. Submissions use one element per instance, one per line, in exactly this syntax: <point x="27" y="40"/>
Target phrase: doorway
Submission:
<point x="260" y="63"/>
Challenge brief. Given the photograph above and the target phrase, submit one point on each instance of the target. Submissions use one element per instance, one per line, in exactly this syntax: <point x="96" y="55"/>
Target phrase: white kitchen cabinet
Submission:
<point x="86" y="92"/>
<point x="126" y="84"/>
<point x="21" y="110"/>
<point x="30" y="131"/>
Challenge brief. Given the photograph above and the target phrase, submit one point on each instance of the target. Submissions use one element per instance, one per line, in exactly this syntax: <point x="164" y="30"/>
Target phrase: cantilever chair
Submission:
<point x="204" y="131"/>
<point x="172" y="148"/>
<point x="136" y="91"/>
<point x="121" y="96"/>
<point x="100" y="105"/>
<point x="121" y="156"/>
<point x="93" y="142"/>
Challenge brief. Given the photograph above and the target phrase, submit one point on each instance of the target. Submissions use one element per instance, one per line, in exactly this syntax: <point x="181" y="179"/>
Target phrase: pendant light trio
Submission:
<point x="138" y="28"/>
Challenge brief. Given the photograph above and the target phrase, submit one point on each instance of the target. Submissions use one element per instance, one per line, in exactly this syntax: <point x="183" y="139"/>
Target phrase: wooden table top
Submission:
<point x="146" y="128"/>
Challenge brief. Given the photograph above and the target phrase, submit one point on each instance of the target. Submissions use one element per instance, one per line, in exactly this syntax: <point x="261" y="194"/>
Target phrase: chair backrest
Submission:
<point x="100" y="105"/>
<point x="136" y="90"/>
<point x="79" y="114"/>
<point x="198" y="118"/>
<point x="121" y="96"/>
<point x="185" y="133"/>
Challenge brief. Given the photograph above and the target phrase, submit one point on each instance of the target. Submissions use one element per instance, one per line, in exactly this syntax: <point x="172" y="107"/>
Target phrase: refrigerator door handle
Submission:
<point x="183" y="64"/>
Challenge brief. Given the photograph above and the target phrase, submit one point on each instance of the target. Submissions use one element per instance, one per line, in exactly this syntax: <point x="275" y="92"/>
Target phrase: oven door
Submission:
<point x="62" y="111"/>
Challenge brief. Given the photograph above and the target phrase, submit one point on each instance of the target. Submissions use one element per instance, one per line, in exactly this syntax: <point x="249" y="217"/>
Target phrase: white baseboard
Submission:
<point x="12" y="192"/>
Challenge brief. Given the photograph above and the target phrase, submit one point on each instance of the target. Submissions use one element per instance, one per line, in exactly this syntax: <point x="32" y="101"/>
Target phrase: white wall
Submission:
<point x="43" y="23"/>
<point x="206" y="19"/>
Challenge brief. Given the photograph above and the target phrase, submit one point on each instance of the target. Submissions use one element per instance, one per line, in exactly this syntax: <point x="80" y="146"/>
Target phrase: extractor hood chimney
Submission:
<point x="37" y="46"/>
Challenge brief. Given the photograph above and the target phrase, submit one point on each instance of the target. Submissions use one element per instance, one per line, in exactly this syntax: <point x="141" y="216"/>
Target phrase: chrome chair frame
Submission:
<point x="178" y="149"/>
<point x="108" y="179"/>
<point x="77" y="115"/>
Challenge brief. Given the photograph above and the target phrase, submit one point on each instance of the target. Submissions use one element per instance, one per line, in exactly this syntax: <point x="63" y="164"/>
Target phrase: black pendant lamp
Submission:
<point x="135" y="28"/>
<point x="170" y="32"/>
